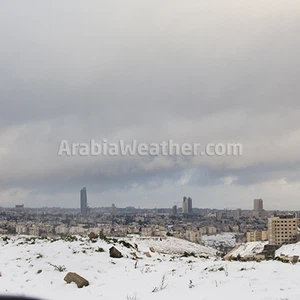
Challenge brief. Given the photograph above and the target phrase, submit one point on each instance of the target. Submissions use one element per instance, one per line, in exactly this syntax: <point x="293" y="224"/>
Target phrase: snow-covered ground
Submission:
<point x="185" y="278"/>
<point x="173" y="246"/>
<point x="288" y="250"/>
<point x="226" y="239"/>
<point x="247" y="249"/>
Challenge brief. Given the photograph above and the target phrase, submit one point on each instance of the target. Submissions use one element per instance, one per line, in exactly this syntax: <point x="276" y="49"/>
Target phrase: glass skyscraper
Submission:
<point x="83" y="201"/>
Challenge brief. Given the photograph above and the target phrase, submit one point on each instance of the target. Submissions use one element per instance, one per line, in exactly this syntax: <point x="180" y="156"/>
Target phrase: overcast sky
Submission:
<point x="192" y="71"/>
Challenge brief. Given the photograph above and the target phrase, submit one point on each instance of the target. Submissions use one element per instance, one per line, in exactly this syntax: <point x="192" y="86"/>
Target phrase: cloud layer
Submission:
<point x="188" y="71"/>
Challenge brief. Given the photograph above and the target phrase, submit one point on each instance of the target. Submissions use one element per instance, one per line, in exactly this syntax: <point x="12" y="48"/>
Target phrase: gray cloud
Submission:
<point x="152" y="71"/>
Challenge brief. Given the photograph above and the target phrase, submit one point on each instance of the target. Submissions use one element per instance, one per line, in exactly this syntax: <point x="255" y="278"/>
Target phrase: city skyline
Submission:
<point x="186" y="206"/>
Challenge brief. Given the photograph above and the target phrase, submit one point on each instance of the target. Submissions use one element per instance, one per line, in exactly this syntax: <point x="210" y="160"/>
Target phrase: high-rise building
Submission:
<point x="258" y="211"/>
<point x="83" y="201"/>
<point x="258" y="204"/>
<point x="283" y="229"/>
<point x="174" y="210"/>
<point x="184" y="205"/>
<point x="237" y="214"/>
<point x="187" y="205"/>
<point x="190" y="205"/>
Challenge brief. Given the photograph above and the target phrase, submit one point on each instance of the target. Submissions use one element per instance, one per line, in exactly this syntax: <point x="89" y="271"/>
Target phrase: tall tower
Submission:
<point x="190" y="205"/>
<point x="187" y="205"/>
<point x="174" y="210"/>
<point x="83" y="201"/>
<point x="258" y="210"/>
<point x="185" y="208"/>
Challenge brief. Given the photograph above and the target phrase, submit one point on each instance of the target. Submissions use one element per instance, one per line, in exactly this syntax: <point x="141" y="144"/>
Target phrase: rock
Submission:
<point x="147" y="254"/>
<point x="39" y="271"/>
<point x="74" y="277"/>
<point x="114" y="253"/>
<point x="152" y="249"/>
<point x="295" y="259"/>
<point x="135" y="256"/>
<point x="92" y="235"/>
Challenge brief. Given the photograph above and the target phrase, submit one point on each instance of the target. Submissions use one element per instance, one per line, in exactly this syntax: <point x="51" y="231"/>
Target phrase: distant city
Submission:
<point x="181" y="220"/>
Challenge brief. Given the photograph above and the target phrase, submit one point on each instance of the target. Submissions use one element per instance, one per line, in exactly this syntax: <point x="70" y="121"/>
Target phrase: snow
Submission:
<point x="173" y="246"/>
<point x="119" y="279"/>
<point x="247" y="249"/>
<point x="226" y="239"/>
<point x="288" y="250"/>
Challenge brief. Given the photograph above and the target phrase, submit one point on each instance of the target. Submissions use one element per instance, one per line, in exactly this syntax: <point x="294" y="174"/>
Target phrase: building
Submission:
<point x="219" y="215"/>
<point x="258" y="204"/>
<point x="283" y="229"/>
<point x="34" y="230"/>
<point x="19" y="206"/>
<point x="237" y="214"/>
<point x="83" y="201"/>
<point x="61" y="229"/>
<point x="77" y="230"/>
<point x="187" y="205"/>
<point x="190" y="205"/>
<point x="211" y="230"/>
<point x="258" y="211"/>
<point x="256" y="235"/>
<point x="21" y="229"/>
<point x="174" y="210"/>
<point x="194" y="236"/>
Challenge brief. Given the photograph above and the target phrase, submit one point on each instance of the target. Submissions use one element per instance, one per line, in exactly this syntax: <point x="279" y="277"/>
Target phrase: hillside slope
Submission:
<point x="126" y="278"/>
<point x="288" y="250"/>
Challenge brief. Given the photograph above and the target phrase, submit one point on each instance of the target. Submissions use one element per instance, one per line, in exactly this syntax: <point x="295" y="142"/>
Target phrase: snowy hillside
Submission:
<point x="226" y="239"/>
<point x="288" y="250"/>
<point x="174" y="246"/>
<point x="27" y="268"/>
<point x="247" y="249"/>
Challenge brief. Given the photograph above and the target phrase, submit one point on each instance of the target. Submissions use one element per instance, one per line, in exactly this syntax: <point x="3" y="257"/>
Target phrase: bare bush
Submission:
<point x="60" y="268"/>
<point x="132" y="297"/>
<point x="226" y="271"/>
<point x="162" y="285"/>
<point x="146" y="270"/>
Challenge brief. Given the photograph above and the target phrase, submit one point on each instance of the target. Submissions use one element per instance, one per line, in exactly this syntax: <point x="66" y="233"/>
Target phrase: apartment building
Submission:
<point x="237" y="214"/>
<point x="256" y="235"/>
<point x="283" y="229"/>
<point x="77" y="230"/>
<point x="61" y="229"/>
<point x="34" y="230"/>
<point x="21" y="229"/>
<point x="193" y="236"/>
